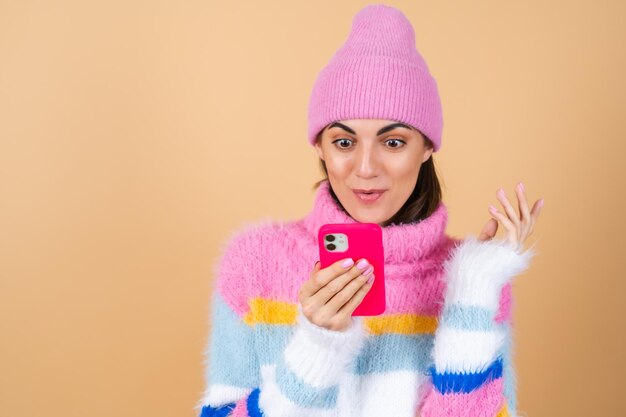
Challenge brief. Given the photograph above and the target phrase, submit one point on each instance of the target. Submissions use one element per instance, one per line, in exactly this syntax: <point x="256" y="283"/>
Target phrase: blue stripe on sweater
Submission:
<point x="253" y="404"/>
<point x="271" y="340"/>
<point x="459" y="382"/>
<point x="394" y="352"/>
<point x="468" y="318"/>
<point x="301" y="393"/>
<point x="381" y="353"/>
<point x="222" y="411"/>
<point x="231" y="351"/>
<point x="508" y="372"/>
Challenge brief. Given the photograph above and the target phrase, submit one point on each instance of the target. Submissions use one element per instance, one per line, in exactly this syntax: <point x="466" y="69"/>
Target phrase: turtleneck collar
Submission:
<point x="402" y="243"/>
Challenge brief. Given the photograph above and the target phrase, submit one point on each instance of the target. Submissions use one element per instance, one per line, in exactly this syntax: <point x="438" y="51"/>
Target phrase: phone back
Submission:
<point x="357" y="240"/>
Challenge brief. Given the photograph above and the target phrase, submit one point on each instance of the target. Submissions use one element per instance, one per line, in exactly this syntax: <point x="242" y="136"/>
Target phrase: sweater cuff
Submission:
<point x="477" y="271"/>
<point x="317" y="355"/>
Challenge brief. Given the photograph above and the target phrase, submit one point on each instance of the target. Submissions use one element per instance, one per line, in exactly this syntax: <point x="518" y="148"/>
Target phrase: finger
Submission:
<point x="344" y="296"/>
<point x="349" y="307"/>
<point x="339" y="283"/>
<point x="536" y="209"/>
<point x="512" y="233"/>
<point x="510" y="211"/>
<point x="306" y="287"/>
<point x="323" y="276"/>
<point x="510" y="227"/>
<point x="489" y="231"/>
<point x="522" y="203"/>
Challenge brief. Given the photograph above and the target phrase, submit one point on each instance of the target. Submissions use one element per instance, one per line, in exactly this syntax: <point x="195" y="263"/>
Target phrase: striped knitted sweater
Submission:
<point x="442" y="347"/>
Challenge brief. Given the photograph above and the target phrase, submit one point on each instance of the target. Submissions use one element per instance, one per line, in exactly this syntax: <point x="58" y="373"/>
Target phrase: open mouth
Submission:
<point x="369" y="197"/>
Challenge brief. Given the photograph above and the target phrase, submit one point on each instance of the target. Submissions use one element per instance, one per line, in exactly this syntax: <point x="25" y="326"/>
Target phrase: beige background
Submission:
<point x="136" y="135"/>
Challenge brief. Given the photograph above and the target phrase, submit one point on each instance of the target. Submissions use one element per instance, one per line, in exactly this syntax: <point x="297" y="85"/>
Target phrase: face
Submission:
<point x="372" y="154"/>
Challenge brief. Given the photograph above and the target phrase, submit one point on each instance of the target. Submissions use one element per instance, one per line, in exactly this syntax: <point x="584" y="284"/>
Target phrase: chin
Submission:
<point x="364" y="216"/>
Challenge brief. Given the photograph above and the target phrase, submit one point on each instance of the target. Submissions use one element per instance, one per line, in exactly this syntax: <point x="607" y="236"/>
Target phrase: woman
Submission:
<point x="283" y="339"/>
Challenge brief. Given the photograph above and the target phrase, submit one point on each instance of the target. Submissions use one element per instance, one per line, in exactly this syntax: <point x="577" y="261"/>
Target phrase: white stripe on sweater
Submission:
<point x="394" y="393"/>
<point x="273" y="403"/>
<point x="458" y="350"/>
<point x="317" y="355"/>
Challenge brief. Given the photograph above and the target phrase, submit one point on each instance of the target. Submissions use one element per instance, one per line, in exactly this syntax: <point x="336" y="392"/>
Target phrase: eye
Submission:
<point x="344" y="140"/>
<point x="400" y="143"/>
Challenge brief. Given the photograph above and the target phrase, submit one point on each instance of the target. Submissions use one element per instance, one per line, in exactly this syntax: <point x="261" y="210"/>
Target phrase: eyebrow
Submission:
<point x="380" y="132"/>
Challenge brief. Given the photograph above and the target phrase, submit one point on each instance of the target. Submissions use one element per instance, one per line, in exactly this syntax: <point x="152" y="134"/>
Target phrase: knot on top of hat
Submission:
<point x="381" y="30"/>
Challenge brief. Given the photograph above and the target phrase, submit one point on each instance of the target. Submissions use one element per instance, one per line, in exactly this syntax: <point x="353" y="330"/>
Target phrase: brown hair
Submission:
<point x="422" y="202"/>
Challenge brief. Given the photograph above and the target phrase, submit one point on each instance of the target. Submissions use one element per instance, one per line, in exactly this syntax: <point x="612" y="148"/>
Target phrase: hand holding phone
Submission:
<point x="330" y="295"/>
<point x="357" y="240"/>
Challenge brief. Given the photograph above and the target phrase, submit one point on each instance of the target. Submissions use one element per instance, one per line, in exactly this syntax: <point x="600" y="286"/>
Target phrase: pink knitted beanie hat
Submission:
<point x="377" y="74"/>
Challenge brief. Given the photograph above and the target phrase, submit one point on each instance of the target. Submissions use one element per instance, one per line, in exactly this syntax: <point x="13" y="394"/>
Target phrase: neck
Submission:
<point x="402" y="243"/>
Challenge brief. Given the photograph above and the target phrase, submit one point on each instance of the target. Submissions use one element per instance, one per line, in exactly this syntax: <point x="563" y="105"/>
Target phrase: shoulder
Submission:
<point x="253" y="241"/>
<point x="245" y="256"/>
<point x="448" y="246"/>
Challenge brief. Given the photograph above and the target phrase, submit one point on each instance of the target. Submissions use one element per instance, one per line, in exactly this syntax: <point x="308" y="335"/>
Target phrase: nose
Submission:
<point x="367" y="164"/>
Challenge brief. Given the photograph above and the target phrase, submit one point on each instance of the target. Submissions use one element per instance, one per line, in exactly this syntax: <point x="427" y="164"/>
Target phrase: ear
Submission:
<point x="427" y="153"/>
<point x="318" y="148"/>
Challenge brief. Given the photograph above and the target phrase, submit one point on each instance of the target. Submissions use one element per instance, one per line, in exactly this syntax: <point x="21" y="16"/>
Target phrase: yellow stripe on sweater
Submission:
<point x="268" y="311"/>
<point x="504" y="412"/>
<point x="402" y="324"/>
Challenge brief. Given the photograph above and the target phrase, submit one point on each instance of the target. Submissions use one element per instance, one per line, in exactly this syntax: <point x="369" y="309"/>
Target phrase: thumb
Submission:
<point x="489" y="230"/>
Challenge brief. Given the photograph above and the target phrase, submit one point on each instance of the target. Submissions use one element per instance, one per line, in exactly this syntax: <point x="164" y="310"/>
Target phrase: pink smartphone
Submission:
<point x="357" y="240"/>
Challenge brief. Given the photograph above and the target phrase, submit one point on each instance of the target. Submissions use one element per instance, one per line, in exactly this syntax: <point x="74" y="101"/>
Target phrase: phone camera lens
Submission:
<point x="331" y="246"/>
<point x="330" y="238"/>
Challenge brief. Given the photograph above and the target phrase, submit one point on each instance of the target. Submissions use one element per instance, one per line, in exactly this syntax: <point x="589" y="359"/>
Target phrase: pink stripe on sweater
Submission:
<point x="241" y="409"/>
<point x="485" y="401"/>
<point x="506" y="304"/>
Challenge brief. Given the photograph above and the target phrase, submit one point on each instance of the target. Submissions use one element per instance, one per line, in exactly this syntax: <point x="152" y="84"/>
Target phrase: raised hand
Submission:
<point x="518" y="226"/>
